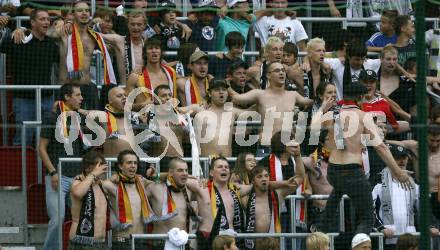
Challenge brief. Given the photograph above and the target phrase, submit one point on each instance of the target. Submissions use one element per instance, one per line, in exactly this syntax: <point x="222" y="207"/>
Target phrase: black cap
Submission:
<point x="354" y="90"/>
<point x="237" y="64"/>
<point x="367" y="75"/>
<point x="207" y="4"/>
<point x="217" y="83"/>
<point x="397" y="150"/>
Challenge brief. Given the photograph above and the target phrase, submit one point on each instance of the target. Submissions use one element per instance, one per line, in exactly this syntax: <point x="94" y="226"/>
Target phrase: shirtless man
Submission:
<point x="171" y="131"/>
<point x="153" y="74"/>
<point x="117" y="139"/>
<point x="75" y="70"/>
<point x="87" y="193"/>
<point x="219" y="203"/>
<point x="434" y="168"/>
<point x="345" y="162"/>
<point x="262" y="205"/>
<point x="214" y="127"/>
<point x="173" y="192"/>
<point x="274" y="98"/>
<point x="273" y="52"/>
<point x="129" y="202"/>
<point x="192" y="90"/>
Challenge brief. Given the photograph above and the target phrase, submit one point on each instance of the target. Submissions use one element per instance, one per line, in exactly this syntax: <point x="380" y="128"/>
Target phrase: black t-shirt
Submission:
<point x="56" y="149"/>
<point x="203" y="35"/>
<point x="404" y="95"/>
<point x="31" y="62"/>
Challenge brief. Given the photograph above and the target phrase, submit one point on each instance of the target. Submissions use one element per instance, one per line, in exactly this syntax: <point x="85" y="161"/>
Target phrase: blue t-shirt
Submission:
<point x="378" y="39"/>
<point x="226" y="25"/>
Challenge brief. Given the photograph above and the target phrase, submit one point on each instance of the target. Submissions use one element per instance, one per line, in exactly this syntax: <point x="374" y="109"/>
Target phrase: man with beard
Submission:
<point x="262" y="205"/>
<point x="274" y="98"/>
<point x="192" y="90"/>
<point x="219" y="203"/>
<point x="154" y="73"/>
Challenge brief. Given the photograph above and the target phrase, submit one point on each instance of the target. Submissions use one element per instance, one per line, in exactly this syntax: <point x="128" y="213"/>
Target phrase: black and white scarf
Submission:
<point x="85" y="231"/>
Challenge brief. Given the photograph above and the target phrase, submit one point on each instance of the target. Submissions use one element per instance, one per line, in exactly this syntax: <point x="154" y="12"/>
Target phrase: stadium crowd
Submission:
<point x="314" y="112"/>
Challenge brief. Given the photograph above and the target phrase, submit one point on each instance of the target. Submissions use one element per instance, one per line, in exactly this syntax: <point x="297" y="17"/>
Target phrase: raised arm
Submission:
<point x="302" y="101"/>
<point x="247" y="98"/>
<point x="117" y="42"/>
<point x="80" y="187"/>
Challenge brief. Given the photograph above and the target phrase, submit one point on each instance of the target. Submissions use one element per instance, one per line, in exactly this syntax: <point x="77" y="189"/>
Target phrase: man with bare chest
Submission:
<point x="345" y="162"/>
<point x="153" y="74"/>
<point x="214" y="126"/>
<point x="434" y="168"/>
<point x="262" y="206"/>
<point x="171" y="201"/>
<point x="89" y="205"/>
<point x="129" y="202"/>
<point x="275" y="105"/>
<point x="76" y="53"/>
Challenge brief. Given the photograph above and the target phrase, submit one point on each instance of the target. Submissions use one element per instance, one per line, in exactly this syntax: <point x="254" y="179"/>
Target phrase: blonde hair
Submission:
<point x="317" y="241"/>
<point x="137" y="13"/>
<point x="389" y="49"/>
<point x="221" y="241"/>
<point x="270" y="42"/>
<point x="315" y="41"/>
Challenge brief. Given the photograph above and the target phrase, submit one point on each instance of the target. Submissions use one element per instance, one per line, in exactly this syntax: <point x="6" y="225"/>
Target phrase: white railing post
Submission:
<point x="3" y="103"/>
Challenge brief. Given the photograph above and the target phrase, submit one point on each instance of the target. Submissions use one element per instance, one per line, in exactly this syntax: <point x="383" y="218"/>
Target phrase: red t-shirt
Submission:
<point x="381" y="105"/>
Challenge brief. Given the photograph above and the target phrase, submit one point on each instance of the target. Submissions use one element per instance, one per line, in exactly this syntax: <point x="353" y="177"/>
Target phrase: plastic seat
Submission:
<point x="11" y="166"/>
<point x="37" y="211"/>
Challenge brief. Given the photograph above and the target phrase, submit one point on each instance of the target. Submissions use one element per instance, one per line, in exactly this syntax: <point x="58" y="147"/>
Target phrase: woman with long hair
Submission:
<point x="243" y="168"/>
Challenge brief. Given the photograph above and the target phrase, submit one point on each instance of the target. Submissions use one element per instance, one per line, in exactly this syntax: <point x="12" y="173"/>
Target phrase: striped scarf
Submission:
<point x="112" y="125"/>
<point x="124" y="206"/>
<point x="75" y="55"/>
<point x="251" y="216"/>
<point x="192" y="91"/>
<point x="64" y="110"/>
<point x="144" y="80"/>
<point x="169" y="209"/>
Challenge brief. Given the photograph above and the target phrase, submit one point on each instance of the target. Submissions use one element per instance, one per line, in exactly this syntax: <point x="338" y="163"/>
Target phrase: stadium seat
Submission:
<point x="37" y="204"/>
<point x="11" y="166"/>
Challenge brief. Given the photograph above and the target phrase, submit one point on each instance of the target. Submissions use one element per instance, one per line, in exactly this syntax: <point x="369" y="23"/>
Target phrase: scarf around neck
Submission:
<point x="192" y="91"/>
<point x="144" y="80"/>
<point x="124" y="206"/>
<point x="219" y="211"/>
<point x="75" y="55"/>
<point x="251" y="216"/>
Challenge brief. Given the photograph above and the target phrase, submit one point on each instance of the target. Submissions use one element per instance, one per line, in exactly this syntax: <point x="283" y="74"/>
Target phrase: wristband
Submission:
<point x="53" y="173"/>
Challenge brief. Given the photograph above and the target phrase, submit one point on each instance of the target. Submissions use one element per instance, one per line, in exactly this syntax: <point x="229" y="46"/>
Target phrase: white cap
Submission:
<point x="359" y="239"/>
<point x="233" y="2"/>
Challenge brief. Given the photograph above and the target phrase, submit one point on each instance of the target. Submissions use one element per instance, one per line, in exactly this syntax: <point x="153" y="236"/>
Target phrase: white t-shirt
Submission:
<point x="288" y="29"/>
<point x="338" y="71"/>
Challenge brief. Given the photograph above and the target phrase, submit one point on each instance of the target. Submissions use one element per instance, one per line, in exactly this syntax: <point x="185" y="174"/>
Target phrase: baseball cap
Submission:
<point x="166" y="6"/>
<point x="367" y="75"/>
<point x="198" y="54"/>
<point x="354" y="89"/>
<point x="359" y="239"/>
<point x="217" y="83"/>
<point x="233" y="2"/>
<point x="237" y="64"/>
<point x="397" y="150"/>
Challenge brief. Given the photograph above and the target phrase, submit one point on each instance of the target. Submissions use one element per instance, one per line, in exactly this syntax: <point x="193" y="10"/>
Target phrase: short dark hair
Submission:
<point x="215" y="159"/>
<point x="259" y="169"/>
<point x="67" y="89"/>
<point x="234" y="39"/>
<point x="407" y="241"/>
<point x="161" y="87"/>
<point x="122" y="154"/>
<point x="410" y="63"/>
<point x="291" y="48"/>
<point x="390" y="14"/>
<point x="35" y="12"/>
<point x="356" y="48"/>
<point x="91" y="158"/>
<point x="276" y="145"/>
<point x="320" y="90"/>
<point x="434" y="129"/>
<point x="401" y="21"/>
<point x="173" y="161"/>
<point x="103" y="12"/>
